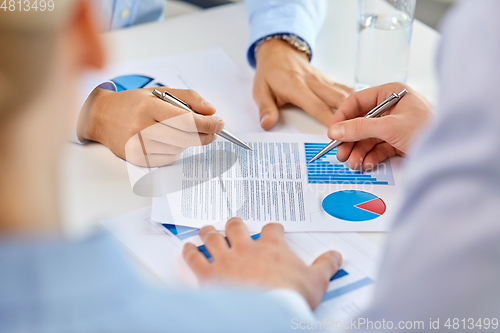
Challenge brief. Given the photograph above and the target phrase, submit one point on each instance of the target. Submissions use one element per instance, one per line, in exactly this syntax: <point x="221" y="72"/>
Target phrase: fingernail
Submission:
<point x="214" y="138"/>
<point x="206" y="104"/>
<point x="264" y="118"/>
<point x="337" y="256"/>
<point x="337" y="131"/>
<point x="220" y="125"/>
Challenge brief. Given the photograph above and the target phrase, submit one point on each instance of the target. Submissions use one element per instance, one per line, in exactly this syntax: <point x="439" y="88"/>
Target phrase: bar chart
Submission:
<point x="329" y="170"/>
<point x="181" y="232"/>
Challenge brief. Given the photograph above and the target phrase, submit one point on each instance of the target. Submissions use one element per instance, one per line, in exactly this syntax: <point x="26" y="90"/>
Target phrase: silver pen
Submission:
<point x="375" y="113"/>
<point x="167" y="97"/>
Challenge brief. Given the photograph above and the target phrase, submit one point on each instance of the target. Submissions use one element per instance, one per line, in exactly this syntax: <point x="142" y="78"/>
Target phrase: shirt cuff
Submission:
<point x="301" y="18"/>
<point x="88" y="85"/>
<point x="293" y="302"/>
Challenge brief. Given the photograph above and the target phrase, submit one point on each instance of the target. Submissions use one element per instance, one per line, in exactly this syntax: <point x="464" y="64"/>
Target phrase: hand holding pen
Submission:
<point x="367" y="142"/>
<point x="115" y="118"/>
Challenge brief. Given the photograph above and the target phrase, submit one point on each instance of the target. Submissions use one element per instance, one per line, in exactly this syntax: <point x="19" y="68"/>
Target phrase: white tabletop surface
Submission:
<point x="95" y="184"/>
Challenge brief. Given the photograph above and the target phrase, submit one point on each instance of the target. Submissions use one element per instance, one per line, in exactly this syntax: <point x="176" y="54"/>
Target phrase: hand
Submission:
<point x="116" y="119"/>
<point x="284" y="75"/>
<point x="266" y="262"/>
<point x="370" y="141"/>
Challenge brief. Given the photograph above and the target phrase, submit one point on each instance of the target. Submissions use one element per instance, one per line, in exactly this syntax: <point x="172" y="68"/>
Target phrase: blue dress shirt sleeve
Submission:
<point x="303" y="18"/>
<point x="117" y="14"/>
<point x="47" y="285"/>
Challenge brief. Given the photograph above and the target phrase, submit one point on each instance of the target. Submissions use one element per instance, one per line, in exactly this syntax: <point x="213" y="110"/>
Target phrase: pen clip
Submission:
<point x="175" y="98"/>
<point x="388" y="100"/>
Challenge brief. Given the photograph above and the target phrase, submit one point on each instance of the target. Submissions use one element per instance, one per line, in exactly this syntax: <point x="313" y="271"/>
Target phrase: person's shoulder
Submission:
<point x="468" y="17"/>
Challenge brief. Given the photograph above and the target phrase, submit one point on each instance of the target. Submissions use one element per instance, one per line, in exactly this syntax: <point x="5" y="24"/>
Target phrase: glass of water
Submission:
<point x="384" y="35"/>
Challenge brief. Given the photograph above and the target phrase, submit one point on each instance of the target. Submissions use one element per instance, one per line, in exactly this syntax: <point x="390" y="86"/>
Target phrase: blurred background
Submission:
<point x="428" y="11"/>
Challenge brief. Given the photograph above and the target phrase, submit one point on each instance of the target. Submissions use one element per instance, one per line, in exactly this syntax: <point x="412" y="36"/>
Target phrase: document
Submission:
<point x="271" y="183"/>
<point x="274" y="183"/>
<point x="159" y="246"/>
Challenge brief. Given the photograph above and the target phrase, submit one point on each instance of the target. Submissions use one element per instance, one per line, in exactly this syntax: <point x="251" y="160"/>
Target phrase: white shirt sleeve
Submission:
<point x="88" y="84"/>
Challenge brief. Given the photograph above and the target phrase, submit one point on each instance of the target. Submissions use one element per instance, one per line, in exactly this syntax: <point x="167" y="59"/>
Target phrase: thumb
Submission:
<point x="268" y="110"/>
<point x="358" y="129"/>
<point x="326" y="265"/>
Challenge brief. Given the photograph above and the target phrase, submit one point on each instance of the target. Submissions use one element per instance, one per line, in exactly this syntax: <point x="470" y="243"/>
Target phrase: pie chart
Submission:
<point x="354" y="206"/>
<point x="126" y="82"/>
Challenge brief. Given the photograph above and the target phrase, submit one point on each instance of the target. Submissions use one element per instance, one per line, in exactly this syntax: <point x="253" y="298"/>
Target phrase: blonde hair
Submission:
<point x="27" y="44"/>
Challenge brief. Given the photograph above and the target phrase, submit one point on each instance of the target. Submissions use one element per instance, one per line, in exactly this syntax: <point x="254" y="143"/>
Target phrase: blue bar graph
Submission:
<point x="181" y="232"/>
<point x="340" y="273"/>
<point x="328" y="170"/>
<point x="346" y="289"/>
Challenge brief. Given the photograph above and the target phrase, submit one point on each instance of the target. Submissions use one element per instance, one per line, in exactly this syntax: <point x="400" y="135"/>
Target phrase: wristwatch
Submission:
<point x="292" y="40"/>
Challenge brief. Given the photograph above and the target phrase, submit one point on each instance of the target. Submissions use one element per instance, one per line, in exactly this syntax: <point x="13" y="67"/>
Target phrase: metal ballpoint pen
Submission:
<point x="374" y="113"/>
<point x="167" y="97"/>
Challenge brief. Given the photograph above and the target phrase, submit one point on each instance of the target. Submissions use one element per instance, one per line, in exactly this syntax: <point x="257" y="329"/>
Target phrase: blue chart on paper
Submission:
<point x="328" y="170"/>
<point x="181" y="232"/>
<point x="354" y="206"/>
<point x="127" y="82"/>
<point x="346" y="289"/>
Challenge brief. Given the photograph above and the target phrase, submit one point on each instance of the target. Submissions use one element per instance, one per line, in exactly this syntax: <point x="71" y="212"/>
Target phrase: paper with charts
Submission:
<point x="159" y="247"/>
<point x="273" y="183"/>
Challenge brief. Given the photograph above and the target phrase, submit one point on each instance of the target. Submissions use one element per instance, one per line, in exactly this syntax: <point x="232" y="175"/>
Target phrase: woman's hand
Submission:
<point x="144" y="130"/>
<point x="368" y="142"/>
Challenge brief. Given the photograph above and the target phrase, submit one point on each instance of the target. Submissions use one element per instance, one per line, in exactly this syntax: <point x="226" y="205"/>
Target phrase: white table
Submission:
<point x="95" y="183"/>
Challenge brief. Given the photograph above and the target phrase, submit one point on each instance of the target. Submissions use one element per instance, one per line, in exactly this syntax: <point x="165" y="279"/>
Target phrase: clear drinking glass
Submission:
<point x="384" y="35"/>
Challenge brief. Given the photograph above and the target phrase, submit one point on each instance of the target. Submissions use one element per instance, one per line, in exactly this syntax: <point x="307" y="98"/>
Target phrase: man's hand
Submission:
<point x="266" y="262"/>
<point x="284" y="75"/>
<point x="370" y="141"/>
<point x="113" y="118"/>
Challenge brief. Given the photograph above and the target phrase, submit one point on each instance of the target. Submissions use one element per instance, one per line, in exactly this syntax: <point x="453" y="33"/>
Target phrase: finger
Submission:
<point x="194" y="123"/>
<point x="153" y="146"/>
<point x="332" y="94"/>
<point x="237" y="233"/>
<point x="358" y="129"/>
<point x="304" y="98"/>
<point x="151" y="161"/>
<point x="175" y="137"/>
<point x="358" y="104"/>
<point x="272" y="233"/>
<point x="326" y="265"/>
<point x="266" y="103"/>
<point x="378" y="154"/>
<point x="176" y="117"/>
<point x="214" y="242"/>
<point x="358" y="153"/>
<point x="196" y="260"/>
<point x="344" y="151"/>
<point x="191" y="98"/>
